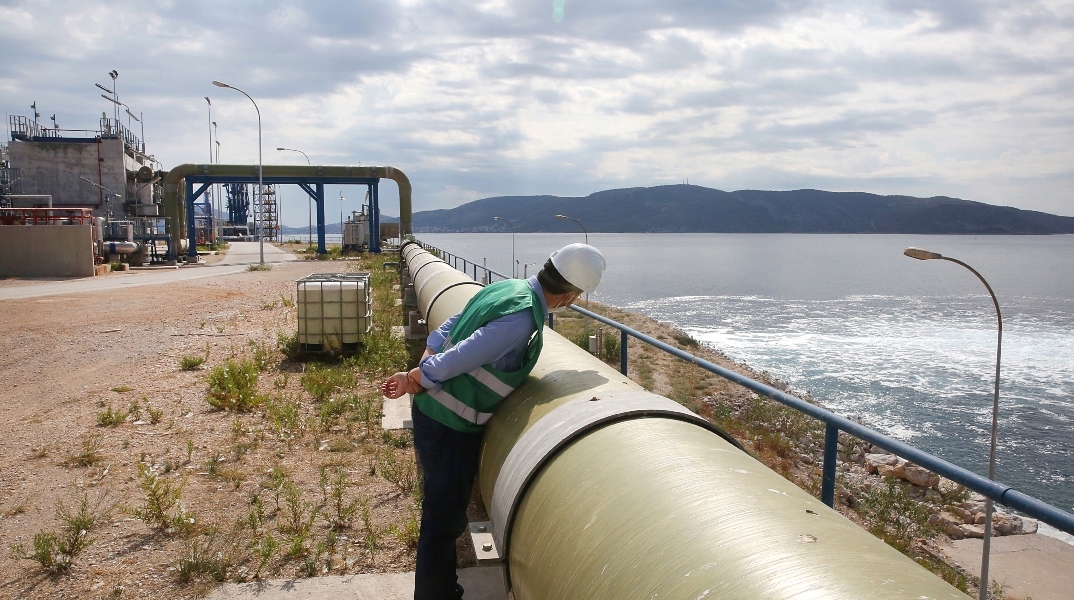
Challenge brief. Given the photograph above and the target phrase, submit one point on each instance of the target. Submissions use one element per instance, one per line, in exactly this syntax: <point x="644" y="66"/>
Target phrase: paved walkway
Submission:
<point x="237" y="258"/>
<point x="481" y="583"/>
<point x="1028" y="566"/>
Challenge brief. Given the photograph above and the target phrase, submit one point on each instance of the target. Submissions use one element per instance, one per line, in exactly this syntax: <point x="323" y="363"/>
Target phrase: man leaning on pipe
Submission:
<point x="471" y="362"/>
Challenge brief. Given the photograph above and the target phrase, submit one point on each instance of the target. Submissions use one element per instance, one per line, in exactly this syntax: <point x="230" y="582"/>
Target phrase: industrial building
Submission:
<point x="96" y="191"/>
<point x="94" y="196"/>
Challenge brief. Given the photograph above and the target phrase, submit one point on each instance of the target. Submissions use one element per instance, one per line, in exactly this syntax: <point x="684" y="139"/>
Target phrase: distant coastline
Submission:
<point x="697" y="209"/>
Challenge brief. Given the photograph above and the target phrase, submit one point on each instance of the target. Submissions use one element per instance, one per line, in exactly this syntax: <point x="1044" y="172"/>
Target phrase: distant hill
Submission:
<point x="691" y="208"/>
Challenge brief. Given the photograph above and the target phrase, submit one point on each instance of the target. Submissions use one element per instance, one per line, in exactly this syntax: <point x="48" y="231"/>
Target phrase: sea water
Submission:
<point x="907" y="346"/>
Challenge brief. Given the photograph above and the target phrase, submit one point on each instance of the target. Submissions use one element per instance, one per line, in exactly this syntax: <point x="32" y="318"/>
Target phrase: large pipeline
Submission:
<point x="174" y="204"/>
<point x="598" y="489"/>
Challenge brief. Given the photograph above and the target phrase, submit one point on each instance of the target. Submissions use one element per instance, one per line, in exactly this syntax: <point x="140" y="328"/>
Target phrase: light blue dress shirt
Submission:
<point x="500" y="343"/>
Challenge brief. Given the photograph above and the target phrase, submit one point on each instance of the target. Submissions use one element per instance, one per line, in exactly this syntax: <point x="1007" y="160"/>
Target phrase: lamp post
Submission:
<point x="579" y="224"/>
<point x="260" y="168"/>
<point x="525" y="269"/>
<point x="341" y="221"/>
<point x="514" y="271"/>
<point x="215" y="199"/>
<point x="216" y="187"/>
<point x="920" y="254"/>
<point x="309" y="201"/>
<point x="114" y="74"/>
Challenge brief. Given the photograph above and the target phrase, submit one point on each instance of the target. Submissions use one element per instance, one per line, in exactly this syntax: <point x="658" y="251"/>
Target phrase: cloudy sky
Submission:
<point x="567" y="97"/>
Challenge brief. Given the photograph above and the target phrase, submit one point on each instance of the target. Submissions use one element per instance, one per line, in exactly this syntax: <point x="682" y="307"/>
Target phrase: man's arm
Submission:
<point x="440" y="335"/>
<point x="486" y="346"/>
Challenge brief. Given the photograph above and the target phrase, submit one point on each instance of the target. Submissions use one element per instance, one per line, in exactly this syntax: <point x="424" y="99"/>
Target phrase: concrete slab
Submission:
<point x="481" y="583"/>
<point x="397" y="413"/>
<point x="1029" y="566"/>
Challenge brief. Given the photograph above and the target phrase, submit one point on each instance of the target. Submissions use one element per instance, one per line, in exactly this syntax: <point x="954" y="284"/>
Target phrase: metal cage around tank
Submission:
<point x="335" y="311"/>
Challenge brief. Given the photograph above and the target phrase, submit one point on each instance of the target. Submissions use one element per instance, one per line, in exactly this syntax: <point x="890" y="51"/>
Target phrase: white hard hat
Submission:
<point x="581" y="265"/>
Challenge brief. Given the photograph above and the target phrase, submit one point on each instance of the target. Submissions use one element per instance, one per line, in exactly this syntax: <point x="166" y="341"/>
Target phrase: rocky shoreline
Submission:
<point x="960" y="520"/>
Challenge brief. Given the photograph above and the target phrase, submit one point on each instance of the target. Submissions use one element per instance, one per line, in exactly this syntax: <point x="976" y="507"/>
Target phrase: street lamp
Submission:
<point x="216" y="187"/>
<point x="212" y="190"/>
<point x="579" y="224"/>
<point x="260" y="167"/>
<point x="309" y="201"/>
<point x="514" y="271"/>
<point x="525" y="269"/>
<point x="920" y="254"/>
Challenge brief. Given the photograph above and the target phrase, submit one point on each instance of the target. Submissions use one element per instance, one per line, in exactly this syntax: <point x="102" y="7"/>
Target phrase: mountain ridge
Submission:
<point x="684" y="208"/>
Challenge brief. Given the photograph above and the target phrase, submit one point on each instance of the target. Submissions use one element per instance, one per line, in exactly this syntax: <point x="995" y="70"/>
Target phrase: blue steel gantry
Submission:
<point x="312" y="185"/>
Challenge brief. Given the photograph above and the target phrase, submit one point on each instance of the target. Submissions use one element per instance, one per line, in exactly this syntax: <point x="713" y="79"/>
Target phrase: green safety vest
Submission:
<point x="465" y="402"/>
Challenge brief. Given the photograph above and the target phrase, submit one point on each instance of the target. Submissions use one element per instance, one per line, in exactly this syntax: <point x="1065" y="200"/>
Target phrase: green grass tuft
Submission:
<point x="233" y="386"/>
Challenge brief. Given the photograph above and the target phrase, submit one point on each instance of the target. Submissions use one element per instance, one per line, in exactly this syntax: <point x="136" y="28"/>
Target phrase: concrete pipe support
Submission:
<point x="598" y="489"/>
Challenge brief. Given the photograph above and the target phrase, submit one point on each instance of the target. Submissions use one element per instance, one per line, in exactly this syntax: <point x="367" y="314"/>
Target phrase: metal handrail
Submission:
<point x="997" y="491"/>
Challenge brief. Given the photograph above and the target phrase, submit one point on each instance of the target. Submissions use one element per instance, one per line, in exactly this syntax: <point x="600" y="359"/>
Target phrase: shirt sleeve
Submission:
<point x="437" y="338"/>
<point x="485" y="346"/>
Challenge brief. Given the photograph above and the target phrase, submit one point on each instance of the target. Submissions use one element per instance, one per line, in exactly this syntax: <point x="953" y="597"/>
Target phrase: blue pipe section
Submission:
<point x="374" y="220"/>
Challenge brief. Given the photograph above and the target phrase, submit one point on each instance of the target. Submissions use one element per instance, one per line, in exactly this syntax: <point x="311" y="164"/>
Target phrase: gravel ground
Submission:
<point x="65" y="359"/>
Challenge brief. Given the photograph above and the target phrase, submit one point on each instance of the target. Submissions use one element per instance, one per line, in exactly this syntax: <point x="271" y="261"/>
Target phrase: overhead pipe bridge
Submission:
<point x="598" y="489"/>
<point x="180" y="193"/>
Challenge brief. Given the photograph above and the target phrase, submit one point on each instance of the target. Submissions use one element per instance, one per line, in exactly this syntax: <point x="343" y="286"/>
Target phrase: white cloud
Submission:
<point x="968" y="99"/>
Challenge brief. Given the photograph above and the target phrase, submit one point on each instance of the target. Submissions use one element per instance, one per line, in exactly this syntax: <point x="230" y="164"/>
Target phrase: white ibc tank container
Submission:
<point x="333" y="310"/>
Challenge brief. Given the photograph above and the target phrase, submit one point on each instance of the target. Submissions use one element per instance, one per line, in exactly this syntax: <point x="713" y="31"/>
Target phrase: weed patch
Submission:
<point x="204" y="558"/>
<point x="110" y="417"/>
<point x="56" y="551"/>
<point x="191" y="362"/>
<point x="323" y="381"/>
<point x="261" y="359"/>
<point x="284" y="417"/>
<point x="87" y="453"/>
<point x="892" y="515"/>
<point x="407" y="531"/>
<point x="341" y="509"/>
<point x="160" y="506"/>
<point x="233" y="386"/>
<point x="401" y="473"/>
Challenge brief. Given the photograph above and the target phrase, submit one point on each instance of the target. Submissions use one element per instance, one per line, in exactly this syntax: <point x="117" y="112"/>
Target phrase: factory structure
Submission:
<point x="81" y="202"/>
<point x="84" y="199"/>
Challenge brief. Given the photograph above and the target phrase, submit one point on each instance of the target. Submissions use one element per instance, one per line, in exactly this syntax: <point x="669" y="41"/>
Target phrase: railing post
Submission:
<point x="623" y="337"/>
<point x="831" y="456"/>
<point x="552" y="321"/>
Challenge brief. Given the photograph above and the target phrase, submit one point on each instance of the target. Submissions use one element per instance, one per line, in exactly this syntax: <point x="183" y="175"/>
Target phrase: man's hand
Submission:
<point x="402" y="383"/>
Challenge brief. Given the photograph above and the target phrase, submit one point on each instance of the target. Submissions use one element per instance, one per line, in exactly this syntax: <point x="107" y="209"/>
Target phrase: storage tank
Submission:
<point x="356" y="232"/>
<point x="334" y="311"/>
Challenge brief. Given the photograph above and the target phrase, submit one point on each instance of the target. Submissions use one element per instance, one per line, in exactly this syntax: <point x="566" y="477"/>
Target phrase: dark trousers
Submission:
<point x="449" y="461"/>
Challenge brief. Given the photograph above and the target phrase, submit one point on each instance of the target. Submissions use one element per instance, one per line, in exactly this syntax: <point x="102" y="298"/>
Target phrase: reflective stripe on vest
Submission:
<point x="489" y="380"/>
<point x="458" y="407"/>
